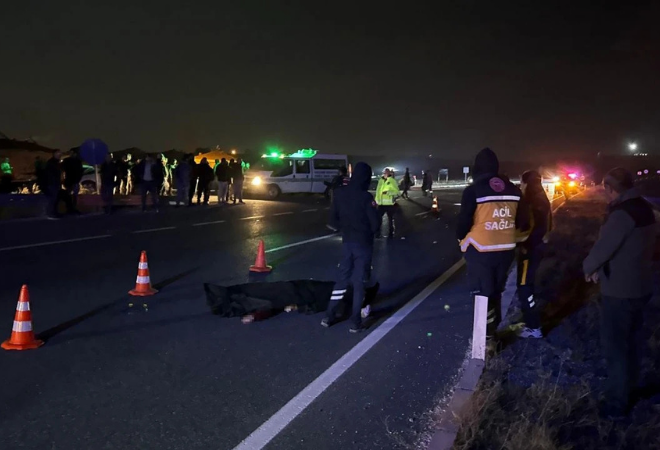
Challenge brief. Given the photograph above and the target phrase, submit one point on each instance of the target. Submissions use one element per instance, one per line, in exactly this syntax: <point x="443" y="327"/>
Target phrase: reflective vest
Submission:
<point x="386" y="191"/>
<point x="494" y="221"/>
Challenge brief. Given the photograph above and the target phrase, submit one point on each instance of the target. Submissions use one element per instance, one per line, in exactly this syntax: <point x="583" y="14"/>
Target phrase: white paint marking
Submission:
<point x="42" y="244"/>
<point x="153" y="229"/>
<point x="273" y="426"/>
<point x="296" y="244"/>
<point x="251" y="217"/>
<point x="207" y="223"/>
<point x="422" y="213"/>
<point x="283" y="213"/>
<point x="310" y="210"/>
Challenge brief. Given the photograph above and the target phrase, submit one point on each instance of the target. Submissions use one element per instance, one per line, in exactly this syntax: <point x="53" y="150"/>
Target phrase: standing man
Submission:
<point x="205" y="173"/>
<point x="182" y="177"/>
<point x="150" y="177"/>
<point x="73" y="173"/>
<point x="407" y="183"/>
<point x="386" y="194"/>
<point x="531" y="247"/>
<point x="222" y="173"/>
<point x="486" y="230"/>
<point x="238" y="181"/>
<point x="108" y="173"/>
<point x="52" y="185"/>
<point x="621" y="261"/>
<point x="354" y="213"/>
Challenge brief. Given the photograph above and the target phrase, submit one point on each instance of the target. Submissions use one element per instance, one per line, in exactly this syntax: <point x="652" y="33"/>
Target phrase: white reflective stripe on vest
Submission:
<point x="499" y="198"/>
<point x="466" y="243"/>
<point x="142" y="280"/>
<point x="23" y="306"/>
<point x="22" y="327"/>
<point x="143" y="266"/>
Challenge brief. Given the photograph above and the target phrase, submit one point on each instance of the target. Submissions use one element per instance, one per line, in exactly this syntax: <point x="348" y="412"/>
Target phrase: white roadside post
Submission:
<point x="479" y="327"/>
<point x="466" y="170"/>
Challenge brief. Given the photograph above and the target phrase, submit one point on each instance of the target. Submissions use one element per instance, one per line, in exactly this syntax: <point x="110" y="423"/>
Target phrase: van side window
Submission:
<point x="302" y="166"/>
<point x="328" y="164"/>
<point x="284" y="170"/>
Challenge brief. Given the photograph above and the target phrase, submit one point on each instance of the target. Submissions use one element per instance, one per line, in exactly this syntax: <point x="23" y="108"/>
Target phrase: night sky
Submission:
<point x="446" y="78"/>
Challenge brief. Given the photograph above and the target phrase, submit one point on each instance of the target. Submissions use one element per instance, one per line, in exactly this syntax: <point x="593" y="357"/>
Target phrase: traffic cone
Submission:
<point x="434" y="206"/>
<point x="260" y="264"/>
<point x="22" y="335"/>
<point x="143" y="283"/>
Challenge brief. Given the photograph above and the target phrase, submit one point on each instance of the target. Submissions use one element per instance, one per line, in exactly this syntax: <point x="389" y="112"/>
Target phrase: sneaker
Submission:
<point x="325" y="322"/>
<point x="356" y="329"/>
<point x="364" y="312"/>
<point x="530" y="333"/>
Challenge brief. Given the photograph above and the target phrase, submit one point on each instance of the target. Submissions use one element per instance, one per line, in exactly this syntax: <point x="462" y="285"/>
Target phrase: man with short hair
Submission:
<point x="622" y="262"/>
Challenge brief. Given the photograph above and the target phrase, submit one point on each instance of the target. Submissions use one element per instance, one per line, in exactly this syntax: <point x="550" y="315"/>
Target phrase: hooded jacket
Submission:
<point x="354" y="211"/>
<point x="489" y="213"/>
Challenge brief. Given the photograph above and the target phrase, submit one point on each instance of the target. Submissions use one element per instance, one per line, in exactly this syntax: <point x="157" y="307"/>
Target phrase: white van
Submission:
<point x="305" y="171"/>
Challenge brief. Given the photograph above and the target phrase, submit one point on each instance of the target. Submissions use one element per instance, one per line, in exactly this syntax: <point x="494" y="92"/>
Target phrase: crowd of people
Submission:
<point x="152" y="176"/>
<point x="498" y="223"/>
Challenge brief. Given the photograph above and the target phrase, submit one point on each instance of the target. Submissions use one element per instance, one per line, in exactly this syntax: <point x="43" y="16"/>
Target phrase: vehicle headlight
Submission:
<point x="557" y="183"/>
<point x="256" y="181"/>
<point x="571" y="184"/>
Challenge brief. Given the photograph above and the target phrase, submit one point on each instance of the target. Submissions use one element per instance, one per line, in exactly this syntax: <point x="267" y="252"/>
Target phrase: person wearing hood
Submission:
<point x="354" y="213"/>
<point x="486" y="229"/>
<point x="621" y="261"/>
<point x="531" y="246"/>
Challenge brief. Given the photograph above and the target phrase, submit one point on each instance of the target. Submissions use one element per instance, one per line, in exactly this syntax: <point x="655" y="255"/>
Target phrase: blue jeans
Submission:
<point x="354" y="269"/>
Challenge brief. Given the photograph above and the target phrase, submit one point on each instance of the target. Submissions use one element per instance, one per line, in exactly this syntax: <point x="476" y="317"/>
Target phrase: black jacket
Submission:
<point x="540" y="218"/>
<point x="222" y="172"/>
<point x="486" y="167"/>
<point x="205" y="173"/>
<point x="73" y="170"/>
<point x="354" y="212"/>
<point x="157" y="172"/>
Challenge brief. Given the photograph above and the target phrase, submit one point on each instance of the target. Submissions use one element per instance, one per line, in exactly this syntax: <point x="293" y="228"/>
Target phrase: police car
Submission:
<point x="305" y="171"/>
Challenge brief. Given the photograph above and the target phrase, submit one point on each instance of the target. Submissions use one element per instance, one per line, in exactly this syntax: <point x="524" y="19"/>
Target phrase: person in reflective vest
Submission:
<point x="486" y="230"/>
<point x="531" y="246"/>
<point x="386" y="194"/>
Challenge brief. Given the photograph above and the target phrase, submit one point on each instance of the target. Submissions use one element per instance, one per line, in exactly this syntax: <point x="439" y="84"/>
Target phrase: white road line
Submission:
<point x="251" y="217"/>
<point x="273" y="426"/>
<point x="153" y="229"/>
<point x="296" y="244"/>
<point x="422" y="213"/>
<point x="207" y="223"/>
<point x="283" y="213"/>
<point x="43" y="244"/>
<point x="310" y="210"/>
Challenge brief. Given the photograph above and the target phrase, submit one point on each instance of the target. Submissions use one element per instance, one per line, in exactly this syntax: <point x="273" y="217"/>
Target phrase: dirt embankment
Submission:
<point x="543" y="394"/>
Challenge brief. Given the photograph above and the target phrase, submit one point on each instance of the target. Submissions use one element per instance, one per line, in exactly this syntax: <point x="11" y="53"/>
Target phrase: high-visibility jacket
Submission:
<point x="489" y="215"/>
<point x="387" y="191"/>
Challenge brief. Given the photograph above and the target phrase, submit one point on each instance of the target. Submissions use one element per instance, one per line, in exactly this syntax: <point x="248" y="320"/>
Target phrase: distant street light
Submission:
<point x="233" y="152"/>
<point x="632" y="146"/>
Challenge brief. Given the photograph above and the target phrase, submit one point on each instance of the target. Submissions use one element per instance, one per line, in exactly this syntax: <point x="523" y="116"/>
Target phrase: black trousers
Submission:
<point x="622" y="344"/>
<point x="487" y="274"/>
<point x="390" y="210"/>
<point x="355" y="270"/>
<point x="528" y="262"/>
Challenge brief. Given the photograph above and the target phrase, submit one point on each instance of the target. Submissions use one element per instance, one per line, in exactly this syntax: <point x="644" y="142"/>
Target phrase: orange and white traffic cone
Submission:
<point x="260" y="265"/>
<point x="143" y="283"/>
<point x="22" y="335"/>
<point x="434" y="207"/>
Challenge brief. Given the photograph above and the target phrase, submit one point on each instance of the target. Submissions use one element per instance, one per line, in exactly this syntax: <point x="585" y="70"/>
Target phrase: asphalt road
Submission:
<point x="172" y="376"/>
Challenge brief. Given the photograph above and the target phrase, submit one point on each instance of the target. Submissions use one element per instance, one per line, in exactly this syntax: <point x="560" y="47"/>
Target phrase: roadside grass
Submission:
<point x="543" y="394"/>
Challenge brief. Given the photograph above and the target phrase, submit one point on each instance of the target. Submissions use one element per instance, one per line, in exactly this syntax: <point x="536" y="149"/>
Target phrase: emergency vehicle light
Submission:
<point x="304" y="153"/>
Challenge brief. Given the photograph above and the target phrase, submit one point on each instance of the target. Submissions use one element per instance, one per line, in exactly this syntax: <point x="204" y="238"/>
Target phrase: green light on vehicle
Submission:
<point x="304" y="153"/>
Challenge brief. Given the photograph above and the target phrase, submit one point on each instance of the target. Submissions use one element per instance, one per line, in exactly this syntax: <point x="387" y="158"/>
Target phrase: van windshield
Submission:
<point x="280" y="167"/>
